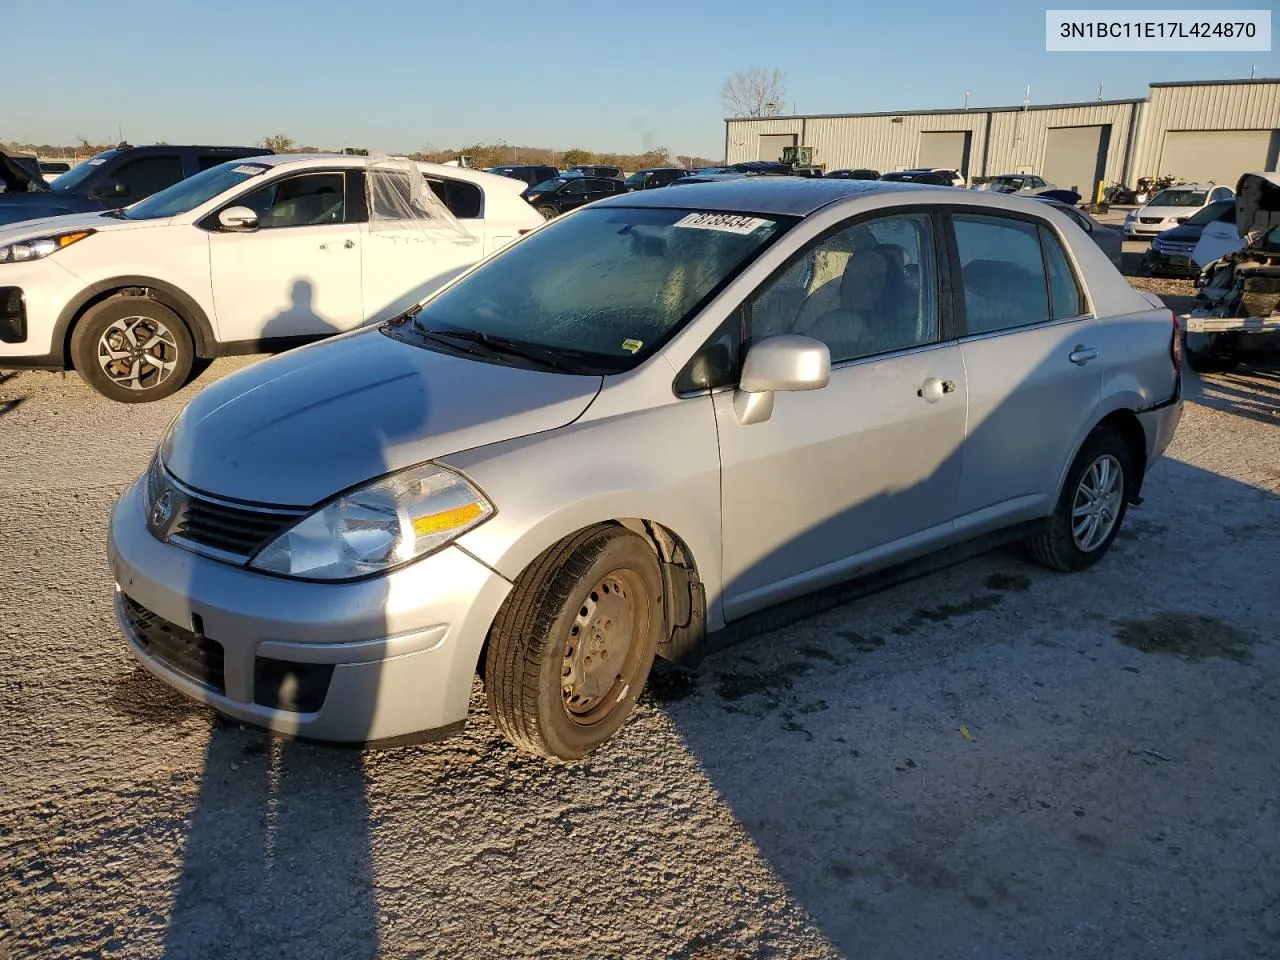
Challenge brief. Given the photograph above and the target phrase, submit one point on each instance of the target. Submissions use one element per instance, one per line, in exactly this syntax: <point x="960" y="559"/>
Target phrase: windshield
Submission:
<point x="78" y="174"/>
<point x="1179" y="198"/>
<point x="603" y="289"/>
<point x="190" y="193"/>
<point x="1218" y="210"/>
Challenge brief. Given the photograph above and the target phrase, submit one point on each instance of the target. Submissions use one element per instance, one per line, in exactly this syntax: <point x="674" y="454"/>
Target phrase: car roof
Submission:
<point x="345" y="160"/>
<point x="780" y="196"/>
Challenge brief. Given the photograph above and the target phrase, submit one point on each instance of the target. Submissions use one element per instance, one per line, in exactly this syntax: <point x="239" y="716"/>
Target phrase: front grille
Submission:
<point x="229" y="528"/>
<point x="191" y="654"/>
<point x="1151" y="219"/>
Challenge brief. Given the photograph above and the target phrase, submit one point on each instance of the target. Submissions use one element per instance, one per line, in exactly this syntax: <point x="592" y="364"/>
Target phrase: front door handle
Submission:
<point x="933" y="389"/>
<point x="1082" y="355"/>
<point x="347" y="245"/>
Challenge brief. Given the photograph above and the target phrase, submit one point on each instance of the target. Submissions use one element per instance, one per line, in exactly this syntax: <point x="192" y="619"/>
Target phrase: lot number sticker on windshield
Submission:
<point x="248" y="168"/>
<point x="724" y="222"/>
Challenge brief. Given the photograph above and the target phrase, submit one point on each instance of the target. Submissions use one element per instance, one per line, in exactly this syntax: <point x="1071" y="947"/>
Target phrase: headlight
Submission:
<point x="380" y="526"/>
<point x="40" y="247"/>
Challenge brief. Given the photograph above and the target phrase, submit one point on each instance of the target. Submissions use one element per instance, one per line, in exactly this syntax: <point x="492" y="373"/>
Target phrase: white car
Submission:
<point x="249" y="256"/>
<point x="1171" y="206"/>
<point x="1255" y="213"/>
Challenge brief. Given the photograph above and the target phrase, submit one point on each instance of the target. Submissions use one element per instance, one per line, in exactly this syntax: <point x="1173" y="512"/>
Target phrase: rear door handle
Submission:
<point x="1082" y="355"/>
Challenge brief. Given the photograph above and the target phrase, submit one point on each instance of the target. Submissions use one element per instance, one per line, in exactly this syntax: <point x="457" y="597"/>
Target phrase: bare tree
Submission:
<point x="277" y="142"/>
<point x="754" y="92"/>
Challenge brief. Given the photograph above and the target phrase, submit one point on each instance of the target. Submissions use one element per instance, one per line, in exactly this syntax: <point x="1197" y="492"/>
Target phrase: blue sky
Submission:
<point x="614" y="76"/>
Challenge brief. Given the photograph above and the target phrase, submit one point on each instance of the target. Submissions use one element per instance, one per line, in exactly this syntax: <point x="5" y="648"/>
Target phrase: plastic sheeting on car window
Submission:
<point x="402" y="205"/>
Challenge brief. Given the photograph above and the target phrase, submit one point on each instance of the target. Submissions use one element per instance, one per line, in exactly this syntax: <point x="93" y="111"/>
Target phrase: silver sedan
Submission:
<point x="639" y="425"/>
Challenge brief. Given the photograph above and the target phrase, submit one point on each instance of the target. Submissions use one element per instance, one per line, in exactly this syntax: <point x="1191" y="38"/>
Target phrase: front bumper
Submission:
<point x="1134" y="230"/>
<point x="403" y="649"/>
<point x="1171" y="262"/>
<point x="45" y="289"/>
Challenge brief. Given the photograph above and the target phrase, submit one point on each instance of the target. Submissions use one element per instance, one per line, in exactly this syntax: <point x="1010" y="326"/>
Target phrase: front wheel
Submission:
<point x="548" y="213"/>
<point x="1090" y="507"/>
<point x="572" y="646"/>
<point x="132" y="349"/>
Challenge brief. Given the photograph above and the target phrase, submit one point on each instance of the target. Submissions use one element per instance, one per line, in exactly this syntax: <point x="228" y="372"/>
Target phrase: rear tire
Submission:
<point x="571" y="648"/>
<point x="132" y="349"/>
<point x="1090" y="508"/>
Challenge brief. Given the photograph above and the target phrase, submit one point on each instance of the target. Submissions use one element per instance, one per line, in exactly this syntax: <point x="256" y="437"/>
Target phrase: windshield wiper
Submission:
<point x="497" y="346"/>
<point x="118" y="213"/>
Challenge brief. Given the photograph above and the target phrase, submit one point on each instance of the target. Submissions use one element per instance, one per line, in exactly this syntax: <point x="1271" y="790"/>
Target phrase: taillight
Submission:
<point x="1176" y="348"/>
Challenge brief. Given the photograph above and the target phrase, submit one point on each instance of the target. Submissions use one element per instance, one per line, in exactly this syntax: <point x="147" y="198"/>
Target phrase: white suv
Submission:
<point x="249" y="256"/>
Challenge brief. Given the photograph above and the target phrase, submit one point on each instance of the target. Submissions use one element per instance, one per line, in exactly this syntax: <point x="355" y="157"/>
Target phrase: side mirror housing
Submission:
<point x="787" y="364"/>
<point x="238" y="219"/>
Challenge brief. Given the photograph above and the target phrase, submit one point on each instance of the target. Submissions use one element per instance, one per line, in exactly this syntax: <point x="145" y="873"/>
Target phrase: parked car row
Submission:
<point x="333" y="543"/>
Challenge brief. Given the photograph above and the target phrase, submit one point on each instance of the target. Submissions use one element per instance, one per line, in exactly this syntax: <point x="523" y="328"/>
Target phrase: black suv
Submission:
<point x="562" y="194"/>
<point x="532" y="174"/>
<point x="111" y="179"/>
<point x="652" y="177"/>
<point x="592" y="170"/>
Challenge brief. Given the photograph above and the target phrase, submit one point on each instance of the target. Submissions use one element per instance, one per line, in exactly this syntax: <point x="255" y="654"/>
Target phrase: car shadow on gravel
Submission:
<point x="997" y="761"/>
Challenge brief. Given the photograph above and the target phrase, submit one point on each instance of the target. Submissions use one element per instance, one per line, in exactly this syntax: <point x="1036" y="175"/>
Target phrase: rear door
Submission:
<point x="1033" y="361"/>
<point x="298" y="274"/>
<point x="399" y="271"/>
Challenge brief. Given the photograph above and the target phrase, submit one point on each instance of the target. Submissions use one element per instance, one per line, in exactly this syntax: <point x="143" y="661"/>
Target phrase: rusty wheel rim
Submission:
<point x="601" y="651"/>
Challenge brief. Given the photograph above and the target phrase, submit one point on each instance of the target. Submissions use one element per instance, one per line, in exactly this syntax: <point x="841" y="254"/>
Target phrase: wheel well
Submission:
<point x="158" y="294"/>
<point x="683" y="596"/>
<point x="1125" y="423"/>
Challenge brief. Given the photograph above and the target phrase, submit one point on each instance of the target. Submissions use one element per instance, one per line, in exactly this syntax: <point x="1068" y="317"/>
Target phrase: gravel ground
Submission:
<point x="991" y="762"/>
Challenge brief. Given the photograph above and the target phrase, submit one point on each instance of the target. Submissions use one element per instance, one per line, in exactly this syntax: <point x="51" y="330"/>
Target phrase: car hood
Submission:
<point x="303" y="426"/>
<point x="1182" y="233"/>
<point x="1168" y="213"/>
<point x="43" y="226"/>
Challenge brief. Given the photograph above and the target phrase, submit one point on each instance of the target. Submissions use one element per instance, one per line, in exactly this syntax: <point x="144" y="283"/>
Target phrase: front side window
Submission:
<point x="868" y="289"/>
<point x="1003" y="273"/>
<point x="574" y="188"/>
<point x="148" y="175"/>
<point x="308" y="199"/>
<point x="601" y="290"/>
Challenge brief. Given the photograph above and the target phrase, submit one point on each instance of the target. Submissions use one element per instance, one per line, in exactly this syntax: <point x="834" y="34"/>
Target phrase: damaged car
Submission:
<point x="1238" y="310"/>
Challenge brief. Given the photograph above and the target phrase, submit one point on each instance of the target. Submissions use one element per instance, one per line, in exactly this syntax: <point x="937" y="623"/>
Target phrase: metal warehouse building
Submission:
<point x="1199" y="131"/>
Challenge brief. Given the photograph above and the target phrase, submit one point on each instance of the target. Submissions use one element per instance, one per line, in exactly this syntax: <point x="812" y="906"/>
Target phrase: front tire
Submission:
<point x="572" y="646"/>
<point x="132" y="349"/>
<point x="548" y="213"/>
<point x="1090" y="508"/>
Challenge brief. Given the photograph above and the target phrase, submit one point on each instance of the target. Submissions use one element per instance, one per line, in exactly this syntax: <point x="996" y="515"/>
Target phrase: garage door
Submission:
<point x="948" y="149"/>
<point x="1075" y="158"/>
<point x="1216" y="155"/>
<point x="771" y="145"/>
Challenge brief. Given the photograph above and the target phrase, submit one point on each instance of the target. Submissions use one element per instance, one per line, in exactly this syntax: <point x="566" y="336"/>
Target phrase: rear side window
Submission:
<point x="464" y="200"/>
<point x="148" y="175"/>
<point x="1003" y="273"/>
<point x="1066" y="299"/>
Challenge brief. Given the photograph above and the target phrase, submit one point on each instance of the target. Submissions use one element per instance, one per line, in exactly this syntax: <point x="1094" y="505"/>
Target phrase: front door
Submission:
<point x="298" y="274"/>
<point x="864" y="471"/>
<point x="1034" y="355"/>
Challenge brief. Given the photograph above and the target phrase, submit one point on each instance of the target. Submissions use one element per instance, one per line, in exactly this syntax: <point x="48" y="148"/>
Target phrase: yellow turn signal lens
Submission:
<point x="446" y="519"/>
<point x="67" y="239"/>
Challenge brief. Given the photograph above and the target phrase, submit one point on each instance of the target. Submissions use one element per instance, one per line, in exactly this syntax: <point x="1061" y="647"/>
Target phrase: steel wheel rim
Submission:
<point x="1095" y="509"/>
<point x="602" y="651"/>
<point x="138" y="353"/>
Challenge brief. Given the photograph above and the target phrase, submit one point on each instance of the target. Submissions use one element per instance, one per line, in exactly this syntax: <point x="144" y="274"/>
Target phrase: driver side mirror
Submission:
<point x="786" y="363"/>
<point x="238" y="220"/>
<point x="110" y="190"/>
